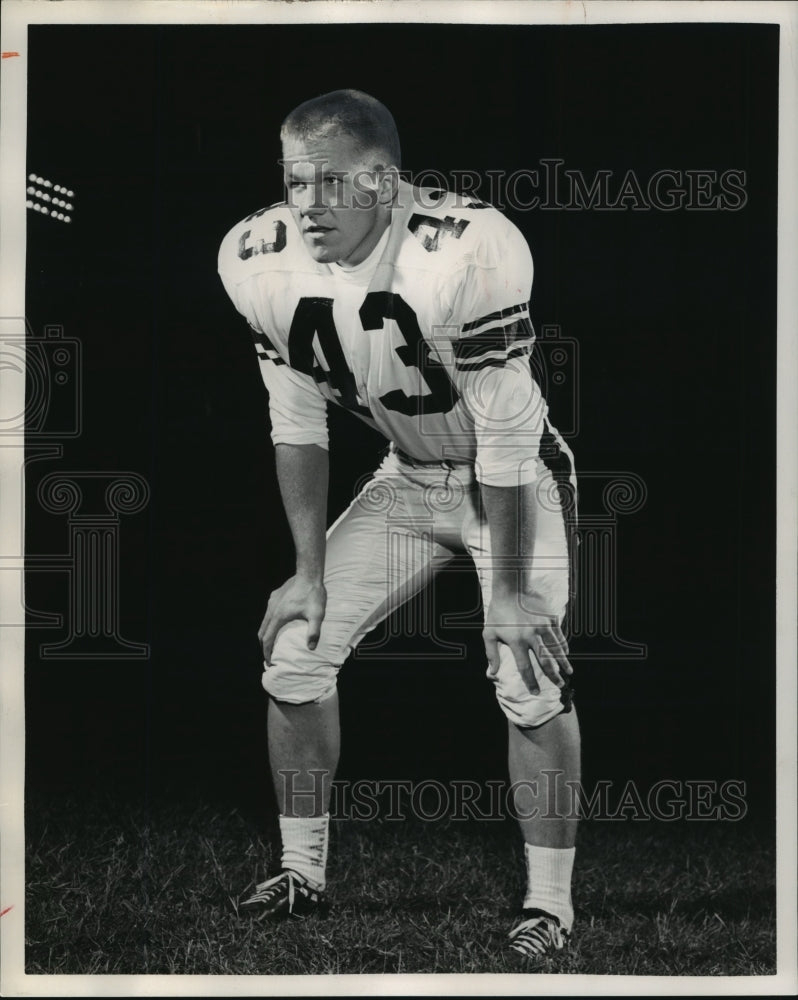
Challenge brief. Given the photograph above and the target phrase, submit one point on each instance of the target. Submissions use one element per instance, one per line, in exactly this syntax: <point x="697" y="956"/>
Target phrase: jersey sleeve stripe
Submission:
<point x="494" y="317"/>
<point x="494" y="360"/>
<point x="496" y="339"/>
<point x="268" y="351"/>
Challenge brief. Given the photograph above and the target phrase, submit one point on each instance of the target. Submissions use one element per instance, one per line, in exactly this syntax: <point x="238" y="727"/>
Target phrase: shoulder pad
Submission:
<point x="265" y="240"/>
<point x="458" y="228"/>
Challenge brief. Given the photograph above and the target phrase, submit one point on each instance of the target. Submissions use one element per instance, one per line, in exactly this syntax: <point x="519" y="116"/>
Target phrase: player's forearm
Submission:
<point x="511" y="519"/>
<point x="303" y="475"/>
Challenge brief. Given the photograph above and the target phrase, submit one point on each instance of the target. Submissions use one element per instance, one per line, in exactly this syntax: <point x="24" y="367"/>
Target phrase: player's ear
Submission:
<point x="387" y="185"/>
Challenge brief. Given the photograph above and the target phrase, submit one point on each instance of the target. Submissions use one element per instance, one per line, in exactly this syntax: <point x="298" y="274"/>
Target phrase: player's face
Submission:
<point x="339" y="216"/>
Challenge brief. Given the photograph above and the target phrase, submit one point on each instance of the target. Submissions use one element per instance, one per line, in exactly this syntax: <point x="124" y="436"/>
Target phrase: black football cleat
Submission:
<point x="538" y="935"/>
<point x="286" y="895"/>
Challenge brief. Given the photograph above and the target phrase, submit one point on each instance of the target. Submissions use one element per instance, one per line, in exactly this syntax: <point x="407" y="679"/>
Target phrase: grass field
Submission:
<point x="123" y="889"/>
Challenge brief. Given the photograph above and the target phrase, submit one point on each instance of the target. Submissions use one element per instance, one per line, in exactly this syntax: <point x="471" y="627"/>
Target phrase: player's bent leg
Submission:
<point x="544" y="772"/>
<point x="370" y="570"/>
<point x="304" y="746"/>
<point x="543" y="751"/>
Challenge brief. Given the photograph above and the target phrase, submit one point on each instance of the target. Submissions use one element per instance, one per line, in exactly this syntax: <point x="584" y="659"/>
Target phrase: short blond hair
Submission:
<point x="352" y="112"/>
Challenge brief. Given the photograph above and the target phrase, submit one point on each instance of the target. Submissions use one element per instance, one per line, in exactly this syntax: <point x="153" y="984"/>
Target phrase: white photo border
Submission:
<point x="16" y="16"/>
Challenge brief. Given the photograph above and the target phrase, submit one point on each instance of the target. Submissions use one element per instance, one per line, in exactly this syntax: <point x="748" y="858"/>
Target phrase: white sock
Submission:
<point x="305" y="840"/>
<point x="548" y="881"/>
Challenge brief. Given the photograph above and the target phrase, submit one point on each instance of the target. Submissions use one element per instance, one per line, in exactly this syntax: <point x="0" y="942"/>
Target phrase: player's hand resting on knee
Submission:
<point x="513" y="621"/>
<point x="297" y="598"/>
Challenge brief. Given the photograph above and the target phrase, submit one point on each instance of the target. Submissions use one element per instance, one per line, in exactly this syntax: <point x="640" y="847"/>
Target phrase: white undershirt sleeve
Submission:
<point x="298" y="411"/>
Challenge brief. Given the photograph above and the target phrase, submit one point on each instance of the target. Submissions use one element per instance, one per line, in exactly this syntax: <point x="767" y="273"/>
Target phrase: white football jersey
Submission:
<point x="427" y="340"/>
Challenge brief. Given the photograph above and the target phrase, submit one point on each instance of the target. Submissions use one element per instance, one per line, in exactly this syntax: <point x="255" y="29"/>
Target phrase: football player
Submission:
<point x="408" y="307"/>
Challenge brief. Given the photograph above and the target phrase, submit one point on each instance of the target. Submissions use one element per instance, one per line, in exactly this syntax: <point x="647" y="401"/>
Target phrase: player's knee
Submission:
<point x="534" y="709"/>
<point x="298" y="675"/>
<point x="523" y="707"/>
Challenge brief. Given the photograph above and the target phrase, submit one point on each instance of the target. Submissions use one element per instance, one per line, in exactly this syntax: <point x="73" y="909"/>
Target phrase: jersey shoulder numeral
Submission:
<point x="431" y="231"/>
<point x="248" y="247"/>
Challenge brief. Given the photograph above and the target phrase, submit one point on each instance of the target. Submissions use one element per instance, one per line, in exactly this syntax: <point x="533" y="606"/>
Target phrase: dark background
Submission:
<point x="168" y="136"/>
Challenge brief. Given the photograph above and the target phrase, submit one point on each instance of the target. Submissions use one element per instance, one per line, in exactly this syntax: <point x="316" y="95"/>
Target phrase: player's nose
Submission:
<point x="312" y="210"/>
<point x="310" y="202"/>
